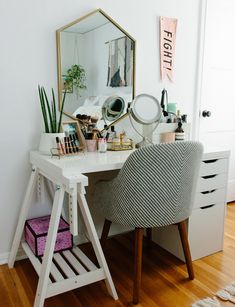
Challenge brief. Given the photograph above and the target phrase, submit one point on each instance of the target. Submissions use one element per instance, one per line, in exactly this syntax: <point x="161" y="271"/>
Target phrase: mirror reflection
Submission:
<point x="96" y="68"/>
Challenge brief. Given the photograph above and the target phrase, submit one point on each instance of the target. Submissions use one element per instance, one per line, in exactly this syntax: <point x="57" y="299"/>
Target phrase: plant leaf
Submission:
<point x="61" y="112"/>
<point x="49" y="111"/>
<point x="53" y="107"/>
<point x="43" y="109"/>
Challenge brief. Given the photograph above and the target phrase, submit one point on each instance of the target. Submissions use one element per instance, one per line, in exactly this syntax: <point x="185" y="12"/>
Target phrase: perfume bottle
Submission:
<point x="179" y="132"/>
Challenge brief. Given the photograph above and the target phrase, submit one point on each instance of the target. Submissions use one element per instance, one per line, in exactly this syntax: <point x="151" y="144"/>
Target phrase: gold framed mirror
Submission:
<point x="96" y="63"/>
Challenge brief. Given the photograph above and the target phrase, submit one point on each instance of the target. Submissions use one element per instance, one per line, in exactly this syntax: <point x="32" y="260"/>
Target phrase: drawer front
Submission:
<point x="209" y="197"/>
<point x="206" y="230"/>
<point x="211" y="182"/>
<point x="214" y="166"/>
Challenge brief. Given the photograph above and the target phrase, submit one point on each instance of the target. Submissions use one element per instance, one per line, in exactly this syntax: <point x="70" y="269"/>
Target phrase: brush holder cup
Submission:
<point x="91" y="145"/>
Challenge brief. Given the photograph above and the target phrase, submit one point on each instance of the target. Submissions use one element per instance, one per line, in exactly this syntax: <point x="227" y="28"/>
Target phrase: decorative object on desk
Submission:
<point x="168" y="28"/>
<point x="48" y="141"/>
<point x="164" y="102"/>
<point x="168" y="109"/>
<point x="52" y="125"/>
<point x="171" y="107"/>
<point x="117" y="145"/>
<point x="145" y="110"/>
<point x="184" y="118"/>
<point x="167" y="137"/>
<point x="179" y="132"/>
<point x="75" y="77"/>
<point x="102" y="145"/>
<point x="74" y="139"/>
<point x="91" y="145"/>
<point x="36" y="235"/>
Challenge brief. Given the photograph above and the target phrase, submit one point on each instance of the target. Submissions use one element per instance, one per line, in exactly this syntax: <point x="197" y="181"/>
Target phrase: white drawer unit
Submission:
<point x="206" y="224"/>
<point x="210" y="197"/>
<point x="206" y="230"/>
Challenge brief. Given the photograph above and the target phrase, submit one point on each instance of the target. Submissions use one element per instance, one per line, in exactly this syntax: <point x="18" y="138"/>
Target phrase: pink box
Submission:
<point x="36" y="234"/>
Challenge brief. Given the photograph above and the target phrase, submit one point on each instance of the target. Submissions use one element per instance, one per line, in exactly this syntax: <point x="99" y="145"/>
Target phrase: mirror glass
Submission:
<point x="96" y="68"/>
<point x="145" y="109"/>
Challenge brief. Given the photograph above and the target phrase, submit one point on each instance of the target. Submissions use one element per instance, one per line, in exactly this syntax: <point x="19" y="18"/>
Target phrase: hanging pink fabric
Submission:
<point x="168" y="28"/>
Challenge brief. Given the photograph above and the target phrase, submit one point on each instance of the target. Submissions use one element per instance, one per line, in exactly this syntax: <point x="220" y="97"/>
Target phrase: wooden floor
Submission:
<point x="164" y="280"/>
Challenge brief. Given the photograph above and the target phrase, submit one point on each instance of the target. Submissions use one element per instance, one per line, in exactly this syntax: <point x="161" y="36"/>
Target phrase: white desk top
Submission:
<point x="71" y="168"/>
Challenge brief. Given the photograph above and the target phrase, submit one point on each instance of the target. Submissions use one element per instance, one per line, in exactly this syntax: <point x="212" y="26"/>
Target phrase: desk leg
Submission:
<point x="50" y="245"/>
<point x="23" y="216"/>
<point x="96" y="243"/>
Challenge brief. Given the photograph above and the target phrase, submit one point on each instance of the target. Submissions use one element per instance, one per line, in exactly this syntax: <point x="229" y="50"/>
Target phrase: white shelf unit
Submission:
<point x="69" y="270"/>
<point x="206" y="224"/>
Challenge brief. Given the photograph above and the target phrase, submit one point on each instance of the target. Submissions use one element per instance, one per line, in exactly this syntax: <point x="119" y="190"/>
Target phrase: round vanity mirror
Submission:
<point x="146" y="110"/>
<point x="112" y="108"/>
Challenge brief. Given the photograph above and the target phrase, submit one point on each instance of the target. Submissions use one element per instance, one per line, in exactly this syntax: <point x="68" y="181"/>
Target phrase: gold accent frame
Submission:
<point x="78" y="130"/>
<point x="59" y="70"/>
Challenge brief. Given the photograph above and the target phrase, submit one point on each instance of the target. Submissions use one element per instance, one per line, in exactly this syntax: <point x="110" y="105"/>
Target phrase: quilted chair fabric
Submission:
<point x="155" y="186"/>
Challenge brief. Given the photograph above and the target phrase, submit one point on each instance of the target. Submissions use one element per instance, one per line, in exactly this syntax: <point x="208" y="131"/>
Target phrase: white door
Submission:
<point x="218" y="82"/>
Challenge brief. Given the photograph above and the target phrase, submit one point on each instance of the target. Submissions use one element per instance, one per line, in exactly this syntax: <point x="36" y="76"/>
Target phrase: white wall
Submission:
<point x="28" y="58"/>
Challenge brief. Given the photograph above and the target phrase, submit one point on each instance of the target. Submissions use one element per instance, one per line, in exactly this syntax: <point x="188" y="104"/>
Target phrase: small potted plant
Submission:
<point x="51" y="124"/>
<point x="76" y="77"/>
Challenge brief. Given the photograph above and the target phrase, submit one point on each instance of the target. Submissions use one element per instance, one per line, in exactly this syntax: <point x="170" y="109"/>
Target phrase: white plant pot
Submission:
<point x="48" y="141"/>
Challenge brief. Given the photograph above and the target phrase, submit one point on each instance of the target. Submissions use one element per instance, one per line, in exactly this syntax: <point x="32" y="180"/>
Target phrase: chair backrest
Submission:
<point x="156" y="185"/>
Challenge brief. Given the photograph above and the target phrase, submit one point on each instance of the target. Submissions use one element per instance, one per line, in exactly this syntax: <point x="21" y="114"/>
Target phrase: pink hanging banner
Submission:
<point x="168" y="28"/>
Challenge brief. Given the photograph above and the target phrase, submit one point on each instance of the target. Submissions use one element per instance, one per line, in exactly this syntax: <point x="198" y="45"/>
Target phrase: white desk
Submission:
<point x="68" y="175"/>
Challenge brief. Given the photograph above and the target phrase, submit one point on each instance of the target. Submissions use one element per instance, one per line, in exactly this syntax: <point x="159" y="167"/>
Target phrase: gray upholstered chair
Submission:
<point x="154" y="188"/>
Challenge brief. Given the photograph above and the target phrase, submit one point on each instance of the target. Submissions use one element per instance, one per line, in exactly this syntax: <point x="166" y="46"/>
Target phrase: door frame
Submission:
<point x="199" y="70"/>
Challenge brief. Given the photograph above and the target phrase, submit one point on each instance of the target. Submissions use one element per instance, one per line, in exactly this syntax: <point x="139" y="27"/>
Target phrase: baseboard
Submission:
<point x="231" y="191"/>
<point x="20" y="255"/>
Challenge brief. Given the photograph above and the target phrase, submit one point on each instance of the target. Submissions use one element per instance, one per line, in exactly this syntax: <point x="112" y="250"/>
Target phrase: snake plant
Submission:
<point x="49" y="111"/>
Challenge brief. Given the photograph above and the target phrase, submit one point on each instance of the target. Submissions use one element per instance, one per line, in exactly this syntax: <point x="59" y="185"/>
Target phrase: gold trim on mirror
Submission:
<point x="59" y="58"/>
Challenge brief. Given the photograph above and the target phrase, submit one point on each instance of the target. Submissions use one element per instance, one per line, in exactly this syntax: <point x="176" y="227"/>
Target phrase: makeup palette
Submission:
<point x="69" y="145"/>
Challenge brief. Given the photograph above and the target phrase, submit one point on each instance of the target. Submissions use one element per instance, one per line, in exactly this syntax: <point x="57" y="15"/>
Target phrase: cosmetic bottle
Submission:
<point x="122" y="135"/>
<point x="178" y="115"/>
<point x="112" y="133"/>
<point x="184" y="118"/>
<point x="102" y="145"/>
<point x="179" y="132"/>
<point x="59" y="146"/>
<point x="105" y="131"/>
<point x="66" y="145"/>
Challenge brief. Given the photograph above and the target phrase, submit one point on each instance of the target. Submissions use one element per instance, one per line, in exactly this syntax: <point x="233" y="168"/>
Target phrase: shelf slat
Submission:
<point x="88" y="263"/>
<point x="56" y="273"/>
<point x="64" y="265"/>
<point x="75" y="282"/>
<point x="74" y="262"/>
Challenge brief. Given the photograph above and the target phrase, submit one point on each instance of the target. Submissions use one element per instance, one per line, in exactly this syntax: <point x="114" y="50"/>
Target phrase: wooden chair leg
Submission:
<point x="105" y="233"/>
<point x="149" y="237"/>
<point x="139" y="233"/>
<point x="186" y="248"/>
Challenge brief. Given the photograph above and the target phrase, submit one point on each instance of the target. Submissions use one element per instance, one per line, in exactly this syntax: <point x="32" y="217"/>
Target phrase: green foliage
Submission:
<point x="49" y="111"/>
<point x="76" y="77"/>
